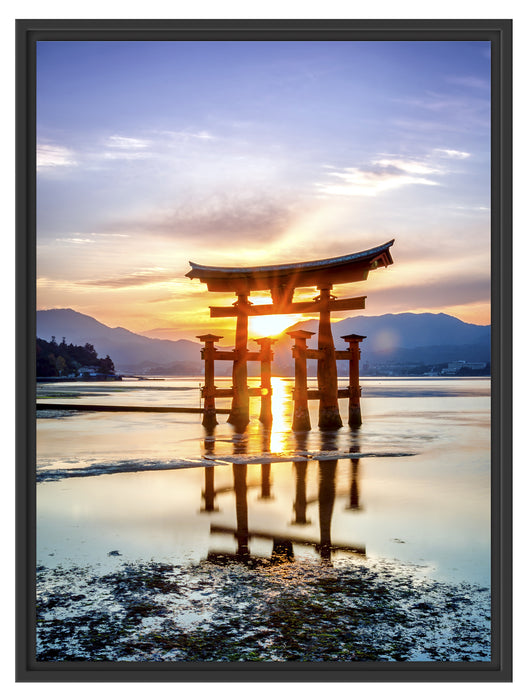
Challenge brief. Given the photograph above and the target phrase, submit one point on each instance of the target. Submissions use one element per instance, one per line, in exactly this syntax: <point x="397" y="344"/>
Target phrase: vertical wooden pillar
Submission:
<point x="355" y="392"/>
<point x="301" y="419"/>
<point x="329" y="416"/>
<point x="209" y="414"/>
<point x="240" y="411"/>
<point x="265" y="414"/>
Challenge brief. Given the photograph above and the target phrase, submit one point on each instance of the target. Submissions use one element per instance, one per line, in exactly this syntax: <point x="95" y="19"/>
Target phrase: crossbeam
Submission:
<point x="295" y="307"/>
<point x="228" y="393"/>
<point x="315" y="394"/>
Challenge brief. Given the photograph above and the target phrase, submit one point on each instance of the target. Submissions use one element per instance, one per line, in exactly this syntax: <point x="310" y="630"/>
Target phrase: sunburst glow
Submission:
<point x="271" y="326"/>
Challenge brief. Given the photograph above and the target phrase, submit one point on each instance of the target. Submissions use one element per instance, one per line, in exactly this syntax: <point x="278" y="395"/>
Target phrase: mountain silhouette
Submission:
<point x="129" y="351"/>
<point x="406" y="338"/>
<point x="397" y="338"/>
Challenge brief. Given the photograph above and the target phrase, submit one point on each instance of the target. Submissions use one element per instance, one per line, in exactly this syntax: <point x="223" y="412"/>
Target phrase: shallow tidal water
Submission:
<point x="159" y="542"/>
<point x="417" y="492"/>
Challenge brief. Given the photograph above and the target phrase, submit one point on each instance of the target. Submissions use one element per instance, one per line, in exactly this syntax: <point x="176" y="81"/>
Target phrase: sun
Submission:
<point x="270" y="326"/>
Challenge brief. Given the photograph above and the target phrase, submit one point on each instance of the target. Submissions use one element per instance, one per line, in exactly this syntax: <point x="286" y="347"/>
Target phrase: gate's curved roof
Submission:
<point x="346" y="268"/>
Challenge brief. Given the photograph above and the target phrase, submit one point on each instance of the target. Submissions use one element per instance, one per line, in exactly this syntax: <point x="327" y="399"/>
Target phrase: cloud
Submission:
<point x="460" y="207"/>
<point x="434" y="294"/>
<point x="140" y="278"/>
<point x="94" y="237"/>
<point x="390" y="171"/>
<point x="75" y="240"/>
<point x="126" y="148"/>
<point x="51" y="156"/>
<point x="469" y="81"/>
<point x="109" y="235"/>
<point x="375" y="180"/>
<point x="187" y="135"/>
<point x="125" y="142"/>
<point x="449" y="113"/>
<point x="450" y="153"/>
<point x="226" y="219"/>
<point x="408" y="166"/>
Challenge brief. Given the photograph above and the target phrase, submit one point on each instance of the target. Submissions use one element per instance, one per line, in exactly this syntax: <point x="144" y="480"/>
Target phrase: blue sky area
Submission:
<point x="151" y="154"/>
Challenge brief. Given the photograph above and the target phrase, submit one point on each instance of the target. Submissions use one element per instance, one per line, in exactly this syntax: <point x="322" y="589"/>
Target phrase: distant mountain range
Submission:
<point x="405" y="339"/>
<point x="129" y="351"/>
<point x="391" y="338"/>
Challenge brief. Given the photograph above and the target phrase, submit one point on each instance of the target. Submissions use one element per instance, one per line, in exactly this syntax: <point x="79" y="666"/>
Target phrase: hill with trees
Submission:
<point x="68" y="360"/>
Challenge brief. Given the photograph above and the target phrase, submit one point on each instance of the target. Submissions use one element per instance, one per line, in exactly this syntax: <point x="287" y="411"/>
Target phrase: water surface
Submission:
<point x="418" y="493"/>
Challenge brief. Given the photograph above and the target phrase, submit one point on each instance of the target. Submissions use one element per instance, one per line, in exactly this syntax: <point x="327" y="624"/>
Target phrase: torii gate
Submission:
<point x="282" y="280"/>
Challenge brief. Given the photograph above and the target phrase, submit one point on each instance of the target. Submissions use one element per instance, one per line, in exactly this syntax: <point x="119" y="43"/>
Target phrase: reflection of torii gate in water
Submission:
<point x="282" y="542"/>
<point x="282" y="280"/>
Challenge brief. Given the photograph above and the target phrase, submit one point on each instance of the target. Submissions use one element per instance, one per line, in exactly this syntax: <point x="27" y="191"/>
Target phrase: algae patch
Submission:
<point x="299" y="611"/>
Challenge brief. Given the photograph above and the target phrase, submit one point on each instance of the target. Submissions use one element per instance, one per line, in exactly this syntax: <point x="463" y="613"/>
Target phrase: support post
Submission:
<point x="355" y="391"/>
<point x="301" y="419"/>
<point x="265" y="414"/>
<point x="240" y="411"/>
<point x="329" y="415"/>
<point x="209" y="413"/>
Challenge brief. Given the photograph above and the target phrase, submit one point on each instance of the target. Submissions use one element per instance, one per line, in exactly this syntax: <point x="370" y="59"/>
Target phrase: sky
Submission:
<point x="152" y="154"/>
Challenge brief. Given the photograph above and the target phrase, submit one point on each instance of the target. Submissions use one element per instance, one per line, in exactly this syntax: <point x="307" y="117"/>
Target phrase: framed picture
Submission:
<point x="264" y="350"/>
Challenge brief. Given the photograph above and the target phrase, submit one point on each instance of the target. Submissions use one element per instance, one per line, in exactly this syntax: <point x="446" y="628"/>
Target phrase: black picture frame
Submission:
<point x="499" y="33"/>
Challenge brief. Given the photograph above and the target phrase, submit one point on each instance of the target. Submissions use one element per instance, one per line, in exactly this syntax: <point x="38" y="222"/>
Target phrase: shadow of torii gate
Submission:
<point x="282" y="281"/>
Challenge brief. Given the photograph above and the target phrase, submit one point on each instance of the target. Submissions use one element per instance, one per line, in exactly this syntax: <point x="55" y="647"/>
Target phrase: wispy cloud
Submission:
<point x="189" y="135"/>
<point x="90" y="237"/>
<point x="390" y="171"/>
<point x="126" y="148"/>
<point x="140" y="278"/>
<point x="413" y="167"/>
<point x="102" y="152"/>
<point x="372" y="181"/>
<point x="234" y="218"/>
<point x="469" y="81"/>
<point x="434" y="294"/>
<point x="51" y="156"/>
<point x="109" y="235"/>
<point x="451" y="153"/>
<point x="82" y="241"/>
<point x="445" y="112"/>
<point x="126" y="143"/>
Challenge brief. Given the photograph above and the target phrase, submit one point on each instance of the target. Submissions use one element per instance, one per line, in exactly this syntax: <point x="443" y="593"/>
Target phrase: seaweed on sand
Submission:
<point x="298" y="611"/>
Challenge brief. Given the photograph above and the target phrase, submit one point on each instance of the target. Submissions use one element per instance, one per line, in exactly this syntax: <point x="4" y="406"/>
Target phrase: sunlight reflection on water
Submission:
<point x="431" y="509"/>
